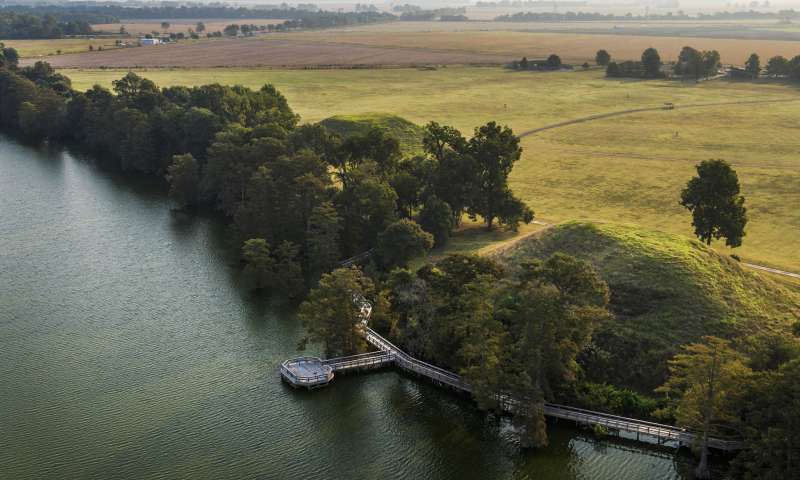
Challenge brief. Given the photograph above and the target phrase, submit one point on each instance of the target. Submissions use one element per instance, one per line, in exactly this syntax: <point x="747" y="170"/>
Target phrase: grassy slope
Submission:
<point x="408" y="134"/>
<point x="667" y="290"/>
<point x="623" y="169"/>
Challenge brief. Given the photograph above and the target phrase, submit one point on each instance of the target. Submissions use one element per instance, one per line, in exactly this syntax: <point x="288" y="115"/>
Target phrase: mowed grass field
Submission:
<point x="627" y="169"/>
<point x="43" y="48"/>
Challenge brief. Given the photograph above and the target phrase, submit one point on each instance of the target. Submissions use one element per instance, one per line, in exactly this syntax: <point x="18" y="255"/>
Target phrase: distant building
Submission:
<point x="149" y="41"/>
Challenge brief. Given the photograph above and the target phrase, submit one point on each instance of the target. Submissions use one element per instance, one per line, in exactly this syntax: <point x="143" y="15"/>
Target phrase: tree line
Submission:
<point x="691" y="64"/>
<point x="23" y="25"/>
<point x="299" y="197"/>
<point x="595" y="16"/>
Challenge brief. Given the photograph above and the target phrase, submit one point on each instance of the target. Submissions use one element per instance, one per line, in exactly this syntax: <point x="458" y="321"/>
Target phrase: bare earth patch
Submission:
<point x="272" y="53"/>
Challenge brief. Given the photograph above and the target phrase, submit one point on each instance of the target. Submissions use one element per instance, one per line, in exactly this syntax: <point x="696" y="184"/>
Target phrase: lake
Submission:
<point x="129" y="350"/>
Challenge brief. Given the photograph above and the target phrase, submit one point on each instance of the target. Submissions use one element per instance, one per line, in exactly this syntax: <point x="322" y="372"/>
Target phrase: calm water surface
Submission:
<point x="128" y="350"/>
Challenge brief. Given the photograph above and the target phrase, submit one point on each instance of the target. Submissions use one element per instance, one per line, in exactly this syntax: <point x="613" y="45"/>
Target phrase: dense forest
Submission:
<point x="15" y="25"/>
<point x="300" y="197"/>
<point x="18" y="22"/>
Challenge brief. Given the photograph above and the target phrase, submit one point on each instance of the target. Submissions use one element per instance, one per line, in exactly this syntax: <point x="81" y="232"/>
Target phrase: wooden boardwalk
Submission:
<point x="388" y="354"/>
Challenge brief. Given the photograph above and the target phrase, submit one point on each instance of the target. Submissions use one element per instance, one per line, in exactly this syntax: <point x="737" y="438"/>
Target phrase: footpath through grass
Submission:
<point x="621" y="169"/>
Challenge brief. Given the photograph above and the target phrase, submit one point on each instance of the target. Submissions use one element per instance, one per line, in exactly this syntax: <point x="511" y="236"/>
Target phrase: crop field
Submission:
<point x="571" y="47"/>
<point x="381" y="45"/>
<point x="141" y="27"/>
<point x="628" y="168"/>
<point x="272" y="52"/>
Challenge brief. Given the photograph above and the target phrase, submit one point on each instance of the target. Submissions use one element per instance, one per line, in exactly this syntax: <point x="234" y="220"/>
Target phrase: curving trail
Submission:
<point x="601" y="116"/>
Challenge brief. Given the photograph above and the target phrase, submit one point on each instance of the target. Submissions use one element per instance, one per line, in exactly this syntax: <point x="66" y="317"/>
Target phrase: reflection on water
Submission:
<point x="127" y="350"/>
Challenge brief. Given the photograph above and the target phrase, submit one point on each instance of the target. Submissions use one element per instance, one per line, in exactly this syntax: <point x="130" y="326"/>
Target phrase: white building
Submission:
<point x="149" y="41"/>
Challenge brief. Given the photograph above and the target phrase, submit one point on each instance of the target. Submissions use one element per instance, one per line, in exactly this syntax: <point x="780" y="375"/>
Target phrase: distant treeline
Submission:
<point x="530" y="3"/>
<point x="56" y="21"/>
<point x="589" y="16"/>
<point x="22" y="25"/>
<point x="691" y="63"/>
<point x="113" y="13"/>
<point x="696" y="64"/>
<point x="413" y="13"/>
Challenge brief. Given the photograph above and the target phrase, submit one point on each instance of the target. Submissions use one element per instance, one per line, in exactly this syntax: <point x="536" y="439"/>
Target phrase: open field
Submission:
<point x="380" y="46"/>
<point x="731" y="29"/>
<point x="141" y="27"/>
<point x="622" y="169"/>
<point x="43" y="48"/>
<point x="269" y="52"/>
<point x="574" y="48"/>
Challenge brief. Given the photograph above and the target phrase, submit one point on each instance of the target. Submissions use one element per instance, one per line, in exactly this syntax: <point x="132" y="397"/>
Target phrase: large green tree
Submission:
<point x="550" y="312"/>
<point x="495" y="149"/>
<point x="323" y="247"/>
<point x="771" y="422"/>
<point x="331" y="313"/>
<point x="401" y="242"/>
<point x="715" y="202"/>
<point x="705" y="379"/>
<point x="184" y="180"/>
<point x="753" y="65"/>
<point x="602" y="58"/>
<point x="436" y="218"/>
<point x="651" y="61"/>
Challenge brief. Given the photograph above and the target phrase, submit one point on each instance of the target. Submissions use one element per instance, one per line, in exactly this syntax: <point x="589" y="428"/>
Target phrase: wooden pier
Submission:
<point x="299" y="373"/>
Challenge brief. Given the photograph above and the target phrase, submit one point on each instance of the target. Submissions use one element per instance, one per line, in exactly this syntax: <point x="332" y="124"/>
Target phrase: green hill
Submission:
<point x="408" y="134"/>
<point x="667" y="290"/>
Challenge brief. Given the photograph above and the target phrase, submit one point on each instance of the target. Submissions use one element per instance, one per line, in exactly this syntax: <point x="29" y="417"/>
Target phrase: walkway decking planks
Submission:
<point x="388" y="354"/>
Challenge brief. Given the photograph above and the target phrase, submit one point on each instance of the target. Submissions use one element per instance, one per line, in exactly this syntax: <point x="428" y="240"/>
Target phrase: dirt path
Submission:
<point x="601" y="116"/>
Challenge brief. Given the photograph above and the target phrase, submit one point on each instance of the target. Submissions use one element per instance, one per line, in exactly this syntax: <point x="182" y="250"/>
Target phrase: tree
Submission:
<point x="436" y="218"/>
<point x="553" y="61"/>
<point x="550" y="312"/>
<point x="717" y="207"/>
<point x="287" y="275"/>
<point x="778" y="66"/>
<point x="402" y="241"/>
<point x="495" y="149"/>
<point x="602" y="57"/>
<point x="651" y="61"/>
<point x="523" y="64"/>
<point x="331" y="314"/>
<point x="184" y="180"/>
<point x="231" y="30"/>
<point x="711" y="62"/>
<point x="200" y="27"/>
<point x="322" y="240"/>
<point x="753" y="65"/>
<point x="368" y="207"/>
<point x="704" y="379"/>
<point x="9" y="58"/>
<point x="165" y="26"/>
<point x="689" y="64"/>
<point x="613" y="70"/>
<point x="259" y="264"/>
<point x="771" y="422"/>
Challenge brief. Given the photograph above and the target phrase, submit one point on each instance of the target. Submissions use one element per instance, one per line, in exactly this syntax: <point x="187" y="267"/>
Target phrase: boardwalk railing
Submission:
<point x="363" y="361"/>
<point x="388" y="354"/>
<point x="306" y="380"/>
<point x="661" y="432"/>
